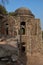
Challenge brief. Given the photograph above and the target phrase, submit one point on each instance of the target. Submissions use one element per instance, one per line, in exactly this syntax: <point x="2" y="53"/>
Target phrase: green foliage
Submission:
<point x="2" y="10"/>
<point x="12" y="13"/>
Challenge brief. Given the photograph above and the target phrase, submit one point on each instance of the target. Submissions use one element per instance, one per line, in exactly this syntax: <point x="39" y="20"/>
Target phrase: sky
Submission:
<point x="36" y="7"/>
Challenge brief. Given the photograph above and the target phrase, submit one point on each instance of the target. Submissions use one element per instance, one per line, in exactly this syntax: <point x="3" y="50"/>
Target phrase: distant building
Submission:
<point x="26" y="29"/>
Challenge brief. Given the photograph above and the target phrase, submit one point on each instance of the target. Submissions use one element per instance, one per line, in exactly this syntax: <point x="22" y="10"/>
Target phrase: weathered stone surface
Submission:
<point x="6" y="49"/>
<point x="23" y="31"/>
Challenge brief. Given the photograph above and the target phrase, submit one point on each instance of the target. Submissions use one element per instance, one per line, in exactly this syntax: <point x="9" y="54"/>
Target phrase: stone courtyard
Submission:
<point x="21" y="38"/>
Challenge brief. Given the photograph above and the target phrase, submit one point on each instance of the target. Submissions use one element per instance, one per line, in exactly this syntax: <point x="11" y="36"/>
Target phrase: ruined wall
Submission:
<point x="28" y="42"/>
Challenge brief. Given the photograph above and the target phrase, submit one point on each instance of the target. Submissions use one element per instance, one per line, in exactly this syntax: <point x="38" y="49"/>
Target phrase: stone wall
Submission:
<point x="32" y="38"/>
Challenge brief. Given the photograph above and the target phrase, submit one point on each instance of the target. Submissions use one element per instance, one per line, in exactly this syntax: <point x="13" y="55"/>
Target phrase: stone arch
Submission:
<point x="22" y="27"/>
<point x="11" y="20"/>
<point x="6" y="28"/>
<point x="23" y="47"/>
<point x="23" y="23"/>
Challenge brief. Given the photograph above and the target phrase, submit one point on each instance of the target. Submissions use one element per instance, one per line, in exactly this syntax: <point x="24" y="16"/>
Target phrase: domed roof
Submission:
<point x="23" y="11"/>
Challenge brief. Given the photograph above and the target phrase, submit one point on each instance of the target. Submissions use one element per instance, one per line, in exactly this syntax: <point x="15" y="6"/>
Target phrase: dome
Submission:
<point x="23" y="11"/>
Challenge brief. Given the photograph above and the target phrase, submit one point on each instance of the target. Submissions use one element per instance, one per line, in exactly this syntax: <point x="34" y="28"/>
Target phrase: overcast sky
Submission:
<point x="36" y="6"/>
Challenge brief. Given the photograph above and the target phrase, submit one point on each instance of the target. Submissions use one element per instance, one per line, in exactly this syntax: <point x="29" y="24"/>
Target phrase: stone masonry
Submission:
<point x="26" y="30"/>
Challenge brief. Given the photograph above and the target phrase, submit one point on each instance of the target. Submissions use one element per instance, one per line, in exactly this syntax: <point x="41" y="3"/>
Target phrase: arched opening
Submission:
<point x="23" y="47"/>
<point x="6" y="29"/>
<point x="23" y="30"/>
<point x="22" y="24"/>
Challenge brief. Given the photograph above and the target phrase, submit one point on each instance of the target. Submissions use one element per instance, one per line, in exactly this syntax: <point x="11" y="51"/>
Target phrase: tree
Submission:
<point x="2" y="10"/>
<point x="12" y="13"/>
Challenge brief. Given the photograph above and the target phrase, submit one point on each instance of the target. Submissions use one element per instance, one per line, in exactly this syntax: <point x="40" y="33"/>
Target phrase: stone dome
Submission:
<point x="23" y="11"/>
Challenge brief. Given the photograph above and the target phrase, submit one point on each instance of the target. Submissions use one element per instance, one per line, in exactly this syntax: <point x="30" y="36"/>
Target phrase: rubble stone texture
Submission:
<point x="30" y="42"/>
